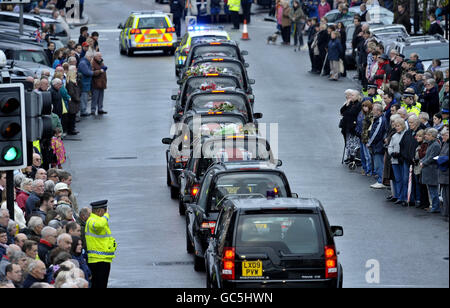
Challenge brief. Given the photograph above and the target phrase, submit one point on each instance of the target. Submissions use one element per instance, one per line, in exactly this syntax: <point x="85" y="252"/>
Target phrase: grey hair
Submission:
<point x="431" y="81"/>
<point x="49" y="186"/>
<point x="55" y="224"/>
<point x="18" y="178"/>
<point x="432" y="131"/>
<point x="424" y="115"/>
<point x="25" y="181"/>
<point x="35" y="183"/>
<point x="12" y="225"/>
<point x="394" y="117"/>
<point x="414" y="119"/>
<point x="46" y="231"/>
<point x="71" y="59"/>
<point x="444" y="131"/>
<point x="63" y="209"/>
<point x="34" y="222"/>
<point x="32" y="265"/>
<point x="16" y="256"/>
<point x="61" y="237"/>
<point x="2" y="211"/>
<point x="56" y="81"/>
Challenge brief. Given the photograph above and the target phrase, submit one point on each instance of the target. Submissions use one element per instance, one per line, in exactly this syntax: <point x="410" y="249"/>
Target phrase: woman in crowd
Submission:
<point x="421" y="195"/>
<point x="430" y="169"/>
<point x="388" y="173"/>
<point x="335" y="51"/>
<point x="443" y="172"/>
<point x="298" y="20"/>
<point x="286" y="23"/>
<point x="349" y="112"/>
<point x="364" y="122"/>
<point x="401" y="188"/>
<point x="437" y="122"/>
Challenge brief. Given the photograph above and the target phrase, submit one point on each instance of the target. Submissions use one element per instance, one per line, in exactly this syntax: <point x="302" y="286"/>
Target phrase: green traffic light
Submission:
<point x="11" y="154"/>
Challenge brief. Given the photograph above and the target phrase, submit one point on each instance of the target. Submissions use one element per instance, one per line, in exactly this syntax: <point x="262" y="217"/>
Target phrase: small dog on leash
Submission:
<point x="273" y="38"/>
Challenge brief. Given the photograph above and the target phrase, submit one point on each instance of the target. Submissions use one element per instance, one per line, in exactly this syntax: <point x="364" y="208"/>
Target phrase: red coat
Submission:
<point x="21" y="199"/>
<point x="383" y="69"/>
<point x="323" y="9"/>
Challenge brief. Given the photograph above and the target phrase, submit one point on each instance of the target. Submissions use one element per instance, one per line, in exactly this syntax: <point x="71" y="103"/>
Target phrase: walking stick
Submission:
<point x="324" y="63"/>
<point x="410" y="183"/>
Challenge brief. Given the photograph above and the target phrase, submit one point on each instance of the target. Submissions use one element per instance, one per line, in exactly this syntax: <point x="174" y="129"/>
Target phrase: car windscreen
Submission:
<point x="215" y="51"/>
<point x="258" y="184"/>
<point x="229" y="68"/>
<point x="216" y="125"/>
<point x="152" y="23"/>
<point x="236" y="149"/>
<point x="35" y="56"/>
<point x="390" y="31"/>
<point x="208" y="82"/>
<point x="197" y="39"/>
<point x="291" y="233"/>
<point x="219" y="102"/>
<point x="428" y="51"/>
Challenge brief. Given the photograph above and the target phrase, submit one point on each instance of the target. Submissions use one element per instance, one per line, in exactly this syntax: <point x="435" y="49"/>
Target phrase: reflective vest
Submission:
<point x="99" y="241"/>
<point x="234" y="5"/>
<point x="415" y="108"/>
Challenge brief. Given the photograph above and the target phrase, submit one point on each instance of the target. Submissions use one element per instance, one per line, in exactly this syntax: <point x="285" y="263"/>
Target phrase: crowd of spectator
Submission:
<point x="43" y="244"/>
<point x="398" y="131"/>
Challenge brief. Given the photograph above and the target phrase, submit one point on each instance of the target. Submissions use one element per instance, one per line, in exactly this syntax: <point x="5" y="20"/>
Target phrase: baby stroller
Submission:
<point x="352" y="161"/>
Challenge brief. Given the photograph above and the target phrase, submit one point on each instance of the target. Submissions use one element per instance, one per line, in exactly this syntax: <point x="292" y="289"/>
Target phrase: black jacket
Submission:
<point x="435" y="28"/>
<point x="349" y="116"/>
<point x="430" y="103"/>
<point x="56" y="101"/>
<point x="403" y="19"/>
<point x="408" y="146"/>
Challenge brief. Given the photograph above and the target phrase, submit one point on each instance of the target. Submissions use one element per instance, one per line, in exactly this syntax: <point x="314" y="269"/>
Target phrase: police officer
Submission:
<point x="234" y="6"/>
<point x="409" y="102"/>
<point x="372" y="93"/>
<point x="176" y="8"/>
<point x="100" y="244"/>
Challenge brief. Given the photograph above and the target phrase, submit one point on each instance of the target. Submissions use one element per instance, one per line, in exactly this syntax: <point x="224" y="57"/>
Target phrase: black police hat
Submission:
<point x="99" y="204"/>
<point x="372" y="85"/>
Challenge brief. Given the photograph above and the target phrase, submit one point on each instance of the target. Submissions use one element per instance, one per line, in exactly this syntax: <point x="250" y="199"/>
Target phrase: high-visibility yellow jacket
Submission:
<point x="416" y="107"/>
<point x="234" y="5"/>
<point x="99" y="241"/>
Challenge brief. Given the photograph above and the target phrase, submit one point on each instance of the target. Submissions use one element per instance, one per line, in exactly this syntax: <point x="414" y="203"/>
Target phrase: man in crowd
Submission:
<point x="376" y="143"/>
<point x="46" y="244"/>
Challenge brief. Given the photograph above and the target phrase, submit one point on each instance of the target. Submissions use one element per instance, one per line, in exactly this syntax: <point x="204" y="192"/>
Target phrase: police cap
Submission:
<point x="99" y="204"/>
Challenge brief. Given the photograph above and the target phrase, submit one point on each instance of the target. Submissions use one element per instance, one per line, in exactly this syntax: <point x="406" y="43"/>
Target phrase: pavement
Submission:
<point x="120" y="157"/>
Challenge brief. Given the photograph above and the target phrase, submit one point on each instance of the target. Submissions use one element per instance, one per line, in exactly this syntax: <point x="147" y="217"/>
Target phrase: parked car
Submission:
<point x="427" y="47"/>
<point x="37" y="22"/>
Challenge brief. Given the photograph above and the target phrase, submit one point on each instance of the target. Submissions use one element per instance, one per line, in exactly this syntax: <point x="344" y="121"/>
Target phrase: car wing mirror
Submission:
<point x="244" y="53"/>
<point x="294" y="195"/>
<point x="251" y="81"/>
<point x="179" y="82"/>
<point x="120" y="26"/>
<point x="167" y="141"/>
<point x="246" y="65"/>
<point x="258" y="115"/>
<point x="337" y="230"/>
<point x="174" y="97"/>
<point x="177" y="117"/>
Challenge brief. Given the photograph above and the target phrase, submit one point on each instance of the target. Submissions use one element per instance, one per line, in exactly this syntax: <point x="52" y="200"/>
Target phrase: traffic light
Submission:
<point x="12" y="127"/>
<point x="38" y="109"/>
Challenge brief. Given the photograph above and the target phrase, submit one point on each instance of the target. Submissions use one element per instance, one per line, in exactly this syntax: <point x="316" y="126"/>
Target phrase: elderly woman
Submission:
<point x="24" y="193"/>
<point x="430" y="168"/>
<point x="443" y="171"/>
<point x="18" y="213"/>
<point x="401" y="188"/>
<point x="349" y="112"/>
<point x="65" y="211"/>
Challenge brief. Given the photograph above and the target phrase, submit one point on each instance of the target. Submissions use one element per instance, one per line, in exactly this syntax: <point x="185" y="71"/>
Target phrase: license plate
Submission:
<point x="252" y="268"/>
<point x="152" y="36"/>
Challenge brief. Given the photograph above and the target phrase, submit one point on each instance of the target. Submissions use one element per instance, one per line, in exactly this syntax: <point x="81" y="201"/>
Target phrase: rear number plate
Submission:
<point x="152" y="36"/>
<point x="252" y="269"/>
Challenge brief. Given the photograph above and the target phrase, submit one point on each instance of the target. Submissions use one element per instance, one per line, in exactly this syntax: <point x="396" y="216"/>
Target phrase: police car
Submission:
<point x="147" y="31"/>
<point x="194" y="34"/>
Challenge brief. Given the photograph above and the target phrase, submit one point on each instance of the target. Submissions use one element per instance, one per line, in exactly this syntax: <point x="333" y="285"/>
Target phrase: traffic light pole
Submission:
<point x="10" y="193"/>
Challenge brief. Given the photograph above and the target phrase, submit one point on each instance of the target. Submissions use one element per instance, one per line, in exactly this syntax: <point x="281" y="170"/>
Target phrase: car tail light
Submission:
<point x="42" y="24"/>
<point x="194" y="190"/>
<point x="218" y="59"/>
<point x="212" y="75"/>
<point x="135" y="31"/>
<point x="228" y="266"/>
<point x="331" y="269"/>
<point x="186" y="51"/>
<point x="182" y="159"/>
<point x="215" y="43"/>
<point x="170" y="30"/>
<point x="211" y="225"/>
